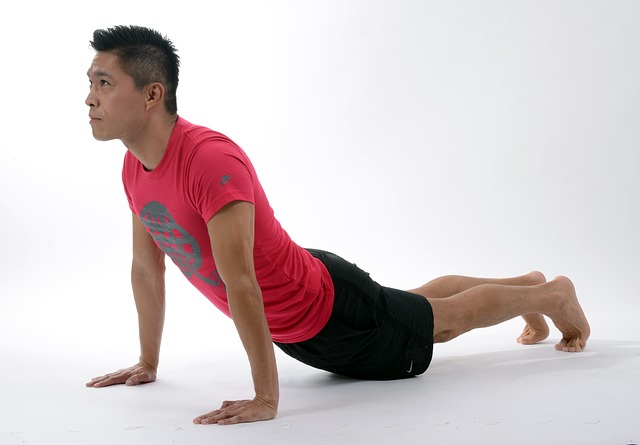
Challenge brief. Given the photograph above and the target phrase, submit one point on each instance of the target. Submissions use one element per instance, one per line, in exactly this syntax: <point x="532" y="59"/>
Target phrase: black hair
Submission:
<point x="144" y="54"/>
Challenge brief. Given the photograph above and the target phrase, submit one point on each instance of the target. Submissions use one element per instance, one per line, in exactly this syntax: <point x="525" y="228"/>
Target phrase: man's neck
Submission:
<point x="150" y="145"/>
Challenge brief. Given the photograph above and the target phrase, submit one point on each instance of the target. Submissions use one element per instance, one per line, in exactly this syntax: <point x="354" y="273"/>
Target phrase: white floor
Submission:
<point x="482" y="388"/>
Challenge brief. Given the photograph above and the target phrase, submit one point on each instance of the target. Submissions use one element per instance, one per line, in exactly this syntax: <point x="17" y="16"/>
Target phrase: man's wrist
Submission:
<point x="271" y="403"/>
<point x="147" y="364"/>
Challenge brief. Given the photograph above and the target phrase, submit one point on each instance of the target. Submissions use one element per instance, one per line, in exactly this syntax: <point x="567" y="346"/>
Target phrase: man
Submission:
<point x="196" y="198"/>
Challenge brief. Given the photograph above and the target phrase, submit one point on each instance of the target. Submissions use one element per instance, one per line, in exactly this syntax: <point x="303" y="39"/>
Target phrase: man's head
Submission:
<point x="145" y="55"/>
<point x="133" y="79"/>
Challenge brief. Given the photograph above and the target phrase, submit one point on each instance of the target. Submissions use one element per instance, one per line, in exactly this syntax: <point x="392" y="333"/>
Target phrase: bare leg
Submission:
<point x="450" y="285"/>
<point x="536" y="328"/>
<point x="489" y="304"/>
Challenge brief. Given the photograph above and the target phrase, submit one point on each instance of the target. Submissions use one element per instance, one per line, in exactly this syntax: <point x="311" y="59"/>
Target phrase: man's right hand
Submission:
<point x="134" y="375"/>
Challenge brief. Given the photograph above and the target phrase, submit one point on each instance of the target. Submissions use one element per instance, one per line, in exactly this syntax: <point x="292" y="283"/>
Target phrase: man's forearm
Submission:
<point x="248" y="315"/>
<point x="149" y="295"/>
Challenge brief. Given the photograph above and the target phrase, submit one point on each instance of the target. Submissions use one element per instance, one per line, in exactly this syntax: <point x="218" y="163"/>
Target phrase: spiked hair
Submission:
<point x="144" y="54"/>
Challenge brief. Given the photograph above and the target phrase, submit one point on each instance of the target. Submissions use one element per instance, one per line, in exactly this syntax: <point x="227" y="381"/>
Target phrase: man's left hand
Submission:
<point x="239" y="411"/>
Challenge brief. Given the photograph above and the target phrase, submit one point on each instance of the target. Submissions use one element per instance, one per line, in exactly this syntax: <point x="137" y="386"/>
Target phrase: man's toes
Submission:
<point x="571" y="345"/>
<point x="524" y="340"/>
<point x="532" y="335"/>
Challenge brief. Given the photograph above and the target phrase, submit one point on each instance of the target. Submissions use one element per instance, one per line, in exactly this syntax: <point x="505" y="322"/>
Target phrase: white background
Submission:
<point x="416" y="138"/>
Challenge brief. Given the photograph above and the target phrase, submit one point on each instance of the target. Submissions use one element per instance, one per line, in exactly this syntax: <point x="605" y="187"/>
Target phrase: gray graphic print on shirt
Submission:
<point x="176" y="242"/>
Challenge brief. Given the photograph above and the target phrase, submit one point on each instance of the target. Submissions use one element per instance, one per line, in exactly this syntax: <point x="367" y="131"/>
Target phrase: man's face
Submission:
<point x="116" y="107"/>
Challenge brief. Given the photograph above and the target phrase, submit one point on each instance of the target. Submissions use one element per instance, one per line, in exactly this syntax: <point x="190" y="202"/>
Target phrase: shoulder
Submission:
<point x="205" y="142"/>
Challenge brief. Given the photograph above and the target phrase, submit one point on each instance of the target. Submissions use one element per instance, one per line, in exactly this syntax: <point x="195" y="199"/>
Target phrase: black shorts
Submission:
<point x="374" y="333"/>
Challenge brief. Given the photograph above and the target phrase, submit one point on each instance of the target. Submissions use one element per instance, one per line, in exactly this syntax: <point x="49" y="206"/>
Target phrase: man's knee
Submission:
<point x="445" y="322"/>
<point x="444" y="336"/>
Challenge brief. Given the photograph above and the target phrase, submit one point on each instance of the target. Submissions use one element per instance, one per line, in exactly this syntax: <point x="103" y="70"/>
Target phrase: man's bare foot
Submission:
<point x="535" y="331"/>
<point x="569" y="317"/>
<point x="536" y="328"/>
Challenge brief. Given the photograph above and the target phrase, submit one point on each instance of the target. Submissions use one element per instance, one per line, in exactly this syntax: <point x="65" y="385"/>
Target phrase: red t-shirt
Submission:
<point x="201" y="172"/>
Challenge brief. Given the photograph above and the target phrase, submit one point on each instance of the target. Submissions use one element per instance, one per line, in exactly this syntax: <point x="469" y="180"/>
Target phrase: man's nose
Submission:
<point x="91" y="99"/>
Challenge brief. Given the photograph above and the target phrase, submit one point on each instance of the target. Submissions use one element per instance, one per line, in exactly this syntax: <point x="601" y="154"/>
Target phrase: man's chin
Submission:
<point x="102" y="137"/>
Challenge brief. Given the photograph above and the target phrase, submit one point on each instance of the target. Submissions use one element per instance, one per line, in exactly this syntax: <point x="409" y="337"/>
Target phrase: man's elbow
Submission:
<point x="148" y="266"/>
<point x="243" y="287"/>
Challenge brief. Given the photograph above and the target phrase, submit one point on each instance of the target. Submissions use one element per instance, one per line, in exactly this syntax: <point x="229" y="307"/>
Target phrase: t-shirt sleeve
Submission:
<point x="219" y="174"/>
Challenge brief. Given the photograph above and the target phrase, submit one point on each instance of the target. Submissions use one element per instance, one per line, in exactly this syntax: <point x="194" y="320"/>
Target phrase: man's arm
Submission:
<point x="232" y="235"/>
<point x="147" y="282"/>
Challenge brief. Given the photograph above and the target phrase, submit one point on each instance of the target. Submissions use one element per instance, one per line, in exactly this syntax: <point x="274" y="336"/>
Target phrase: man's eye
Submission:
<point x="104" y="83"/>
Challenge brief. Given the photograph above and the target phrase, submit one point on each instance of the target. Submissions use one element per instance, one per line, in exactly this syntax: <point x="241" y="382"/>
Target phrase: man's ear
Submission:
<point x="154" y="94"/>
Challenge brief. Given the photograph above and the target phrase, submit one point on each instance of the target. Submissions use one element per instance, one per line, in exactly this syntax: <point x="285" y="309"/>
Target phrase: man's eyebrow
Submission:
<point x="98" y="73"/>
